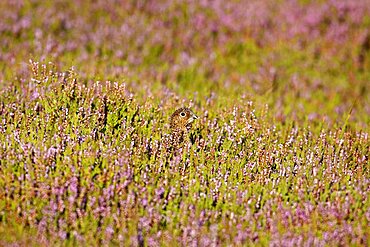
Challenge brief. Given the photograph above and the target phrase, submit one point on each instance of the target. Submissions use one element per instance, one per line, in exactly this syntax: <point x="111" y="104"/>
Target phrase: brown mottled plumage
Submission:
<point x="180" y="124"/>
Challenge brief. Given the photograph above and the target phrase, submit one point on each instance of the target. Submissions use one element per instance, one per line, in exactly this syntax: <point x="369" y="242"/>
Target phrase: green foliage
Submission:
<point x="279" y="154"/>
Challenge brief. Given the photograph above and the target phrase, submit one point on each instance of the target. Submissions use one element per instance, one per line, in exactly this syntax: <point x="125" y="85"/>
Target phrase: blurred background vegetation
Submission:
<point x="306" y="59"/>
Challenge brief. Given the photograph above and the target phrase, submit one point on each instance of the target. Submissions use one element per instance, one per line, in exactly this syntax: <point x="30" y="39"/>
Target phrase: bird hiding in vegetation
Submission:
<point x="180" y="124"/>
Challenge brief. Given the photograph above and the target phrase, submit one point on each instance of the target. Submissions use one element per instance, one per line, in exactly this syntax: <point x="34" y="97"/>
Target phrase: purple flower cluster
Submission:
<point x="278" y="156"/>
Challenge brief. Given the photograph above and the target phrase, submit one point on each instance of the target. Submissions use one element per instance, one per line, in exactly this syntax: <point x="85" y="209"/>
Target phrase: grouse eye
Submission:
<point x="182" y="114"/>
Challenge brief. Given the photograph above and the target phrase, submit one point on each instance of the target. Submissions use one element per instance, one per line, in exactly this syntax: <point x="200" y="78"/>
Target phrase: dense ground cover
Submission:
<point x="280" y="152"/>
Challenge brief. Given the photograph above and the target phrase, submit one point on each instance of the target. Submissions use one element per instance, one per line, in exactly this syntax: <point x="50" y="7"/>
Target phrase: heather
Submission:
<point x="279" y="155"/>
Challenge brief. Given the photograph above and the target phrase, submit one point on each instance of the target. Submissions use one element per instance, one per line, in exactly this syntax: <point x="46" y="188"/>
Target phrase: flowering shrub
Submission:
<point x="279" y="154"/>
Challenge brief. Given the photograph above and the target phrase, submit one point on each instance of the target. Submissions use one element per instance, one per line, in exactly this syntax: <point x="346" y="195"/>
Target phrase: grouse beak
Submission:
<point x="192" y="118"/>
